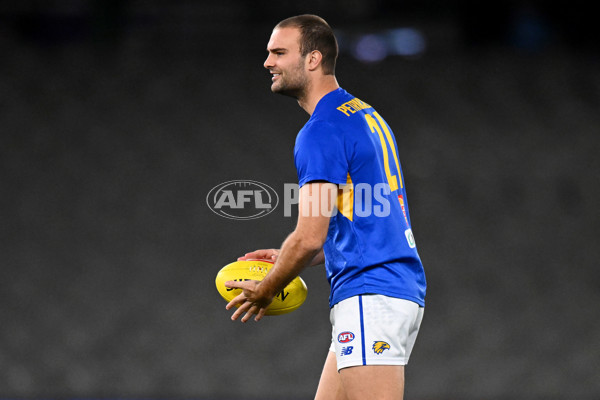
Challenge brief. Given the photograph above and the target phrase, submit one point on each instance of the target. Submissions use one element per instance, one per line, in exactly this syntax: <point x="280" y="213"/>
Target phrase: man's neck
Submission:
<point x="315" y="92"/>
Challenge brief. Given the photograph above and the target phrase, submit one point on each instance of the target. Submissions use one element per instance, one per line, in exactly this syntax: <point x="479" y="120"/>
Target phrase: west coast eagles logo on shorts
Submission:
<point x="380" y="346"/>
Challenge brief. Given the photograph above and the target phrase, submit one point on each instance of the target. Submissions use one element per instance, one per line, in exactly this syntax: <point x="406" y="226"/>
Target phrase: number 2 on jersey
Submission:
<point x="393" y="180"/>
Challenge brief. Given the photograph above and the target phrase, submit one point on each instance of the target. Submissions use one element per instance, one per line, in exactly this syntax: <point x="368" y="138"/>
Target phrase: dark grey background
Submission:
<point x="118" y="117"/>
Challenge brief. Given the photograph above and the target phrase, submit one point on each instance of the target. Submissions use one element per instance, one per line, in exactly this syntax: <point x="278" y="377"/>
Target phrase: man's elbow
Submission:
<point x="313" y="245"/>
<point x="309" y="244"/>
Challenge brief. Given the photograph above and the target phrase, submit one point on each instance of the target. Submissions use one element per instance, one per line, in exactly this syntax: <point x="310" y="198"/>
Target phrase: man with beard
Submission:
<point x="353" y="216"/>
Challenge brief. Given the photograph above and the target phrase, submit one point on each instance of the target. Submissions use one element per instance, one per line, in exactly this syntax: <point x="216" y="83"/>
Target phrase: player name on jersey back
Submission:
<point x="353" y="106"/>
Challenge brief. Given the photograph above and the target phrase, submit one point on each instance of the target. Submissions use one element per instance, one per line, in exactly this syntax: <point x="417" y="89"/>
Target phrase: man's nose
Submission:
<point x="268" y="62"/>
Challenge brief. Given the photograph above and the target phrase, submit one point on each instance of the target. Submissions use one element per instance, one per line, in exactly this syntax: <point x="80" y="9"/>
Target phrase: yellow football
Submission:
<point x="288" y="300"/>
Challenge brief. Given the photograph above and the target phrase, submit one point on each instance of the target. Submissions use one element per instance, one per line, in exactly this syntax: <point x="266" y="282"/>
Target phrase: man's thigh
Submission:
<point x="381" y="382"/>
<point x="385" y="382"/>
<point x="330" y="384"/>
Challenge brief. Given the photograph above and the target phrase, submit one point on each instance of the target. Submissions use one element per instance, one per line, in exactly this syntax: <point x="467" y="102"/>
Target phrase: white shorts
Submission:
<point x="373" y="329"/>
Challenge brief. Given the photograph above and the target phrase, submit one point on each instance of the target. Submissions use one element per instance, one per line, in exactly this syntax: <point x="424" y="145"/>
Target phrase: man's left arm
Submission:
<point x="316" y="206"/>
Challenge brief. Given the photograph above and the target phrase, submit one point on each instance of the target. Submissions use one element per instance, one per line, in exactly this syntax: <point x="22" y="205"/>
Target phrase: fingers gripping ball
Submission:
<point x="288" y="300"/>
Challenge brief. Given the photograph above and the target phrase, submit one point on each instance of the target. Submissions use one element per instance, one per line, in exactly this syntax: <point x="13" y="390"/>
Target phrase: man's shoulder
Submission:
<point x="319" y="123"/>
<point x="318" y="129"/>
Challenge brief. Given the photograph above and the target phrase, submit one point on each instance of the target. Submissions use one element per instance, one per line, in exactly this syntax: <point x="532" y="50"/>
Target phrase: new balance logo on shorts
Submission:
<point x="347" y="350"/>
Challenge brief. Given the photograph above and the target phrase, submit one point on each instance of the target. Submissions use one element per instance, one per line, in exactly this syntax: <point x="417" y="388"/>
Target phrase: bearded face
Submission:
<point x="286" y="64"/>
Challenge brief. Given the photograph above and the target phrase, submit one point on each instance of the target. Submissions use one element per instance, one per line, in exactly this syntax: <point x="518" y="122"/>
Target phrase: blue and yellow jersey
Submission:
<point x="370" y="247"/>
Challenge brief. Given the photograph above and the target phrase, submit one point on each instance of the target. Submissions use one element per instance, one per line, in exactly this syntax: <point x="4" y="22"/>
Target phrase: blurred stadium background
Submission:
<point x="118" y="117"/>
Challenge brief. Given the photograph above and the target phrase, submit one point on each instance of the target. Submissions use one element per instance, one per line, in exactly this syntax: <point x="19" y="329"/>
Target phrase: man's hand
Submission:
<point x="272" y="254"/>
<point x="252" y="300"/>
<point x="263" y="254"/>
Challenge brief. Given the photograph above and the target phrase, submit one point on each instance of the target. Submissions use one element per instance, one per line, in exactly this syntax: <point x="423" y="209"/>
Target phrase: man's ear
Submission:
<point x="314" y="59"/>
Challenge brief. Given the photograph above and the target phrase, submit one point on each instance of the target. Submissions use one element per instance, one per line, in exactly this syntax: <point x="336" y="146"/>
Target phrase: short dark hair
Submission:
<point x="315" y="34"/>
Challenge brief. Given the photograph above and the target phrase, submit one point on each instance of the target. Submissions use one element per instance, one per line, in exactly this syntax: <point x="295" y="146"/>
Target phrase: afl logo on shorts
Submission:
<point x="345" y="337"/>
